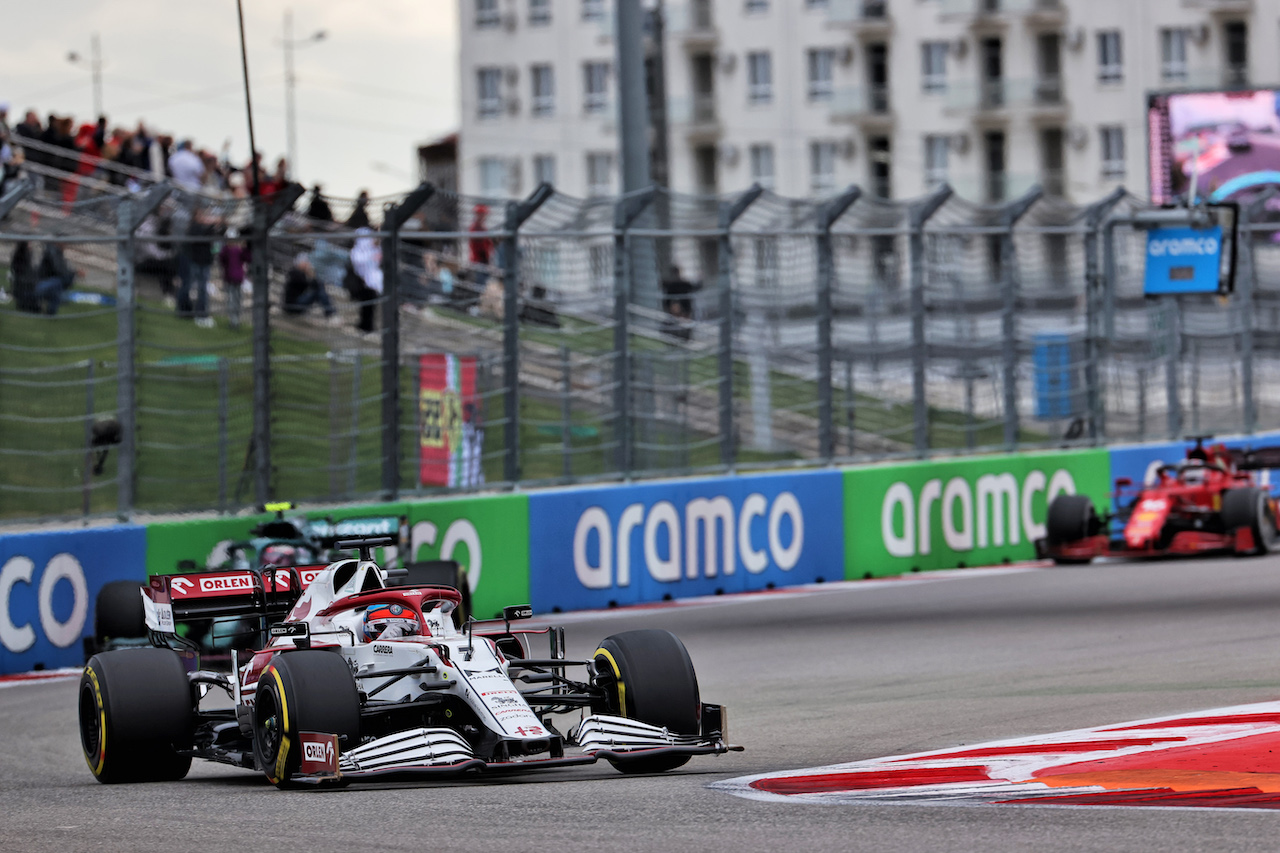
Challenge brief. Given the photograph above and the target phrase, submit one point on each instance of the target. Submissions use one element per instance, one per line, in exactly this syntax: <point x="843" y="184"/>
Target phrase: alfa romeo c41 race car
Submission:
<point x="1208" y="502"/>
<point x="353" y="679"/>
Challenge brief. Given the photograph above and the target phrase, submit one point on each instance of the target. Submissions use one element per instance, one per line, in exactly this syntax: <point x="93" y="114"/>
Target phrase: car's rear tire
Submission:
<point x="652" y="680"/>
<point x="1071" y="518"/>
<point x="304" y="691"/>
<point x="118" y="613"/>
<point x="1250" y="508"/>
<point x="137" y="713"/>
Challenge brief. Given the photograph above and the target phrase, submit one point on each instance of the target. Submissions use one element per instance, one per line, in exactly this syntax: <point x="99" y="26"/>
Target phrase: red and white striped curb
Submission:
<point x="1224" y="758"/>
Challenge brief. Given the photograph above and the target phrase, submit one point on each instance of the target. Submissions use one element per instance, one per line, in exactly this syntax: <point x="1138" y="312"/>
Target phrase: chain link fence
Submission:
<point x="651" y="334"/>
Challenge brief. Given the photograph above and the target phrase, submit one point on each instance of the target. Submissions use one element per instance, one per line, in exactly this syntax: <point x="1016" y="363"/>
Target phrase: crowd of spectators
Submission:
<point x="328" y="258"/>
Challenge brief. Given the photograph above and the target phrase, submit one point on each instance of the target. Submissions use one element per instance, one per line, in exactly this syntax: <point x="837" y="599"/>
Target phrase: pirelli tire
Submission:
<point x="137" y="713"/>
<point x="1251" y="508"/>
<point x="1071" y="518"/>
<point x="304" y="691"/>
<point x="648" y="676"/>
<point x="118" y="613"/>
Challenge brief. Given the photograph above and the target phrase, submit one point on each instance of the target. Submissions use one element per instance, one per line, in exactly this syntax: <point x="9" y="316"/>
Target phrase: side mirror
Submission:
<point x="517" y="611"/>
<point x="1123" y="482"/>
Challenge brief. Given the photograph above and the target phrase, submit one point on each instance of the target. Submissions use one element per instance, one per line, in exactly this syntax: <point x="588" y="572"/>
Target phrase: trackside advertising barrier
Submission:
<point x="488" y="536"/>
<point x="604" y="547"/>
<point x="941" y="514"/>
<point x="48" y="584"/>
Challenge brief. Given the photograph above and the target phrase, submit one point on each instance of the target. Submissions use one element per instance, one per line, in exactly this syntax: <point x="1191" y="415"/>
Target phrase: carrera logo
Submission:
<point x="381" y="650"/>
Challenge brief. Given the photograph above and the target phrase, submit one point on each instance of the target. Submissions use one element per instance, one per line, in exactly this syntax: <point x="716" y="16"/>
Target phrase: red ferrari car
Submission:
<point x="1209" y="502"/>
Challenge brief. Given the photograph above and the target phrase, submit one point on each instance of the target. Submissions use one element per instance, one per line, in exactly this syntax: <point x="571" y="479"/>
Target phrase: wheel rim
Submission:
<point x="90" y="725"/>
<point x="269" y="727"/>
<point x="1266" y="524"/>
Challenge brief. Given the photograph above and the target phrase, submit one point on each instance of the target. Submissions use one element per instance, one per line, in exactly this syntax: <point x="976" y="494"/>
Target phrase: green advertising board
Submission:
<point x="488" y="536"/>
<point x="977" y="511"/>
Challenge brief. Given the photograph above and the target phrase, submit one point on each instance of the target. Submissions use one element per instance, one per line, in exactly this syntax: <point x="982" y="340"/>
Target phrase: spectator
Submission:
<point x="22" y="278"/>
<point x="5" y="133"/>
<point x="199" y="259"/>
<point x="29" y="127"/>
<point x="366" y="263"/>
<point x="11" y="168"/>
<point x="319" y="208"/>
<point x="186" y="167"/>
<point x="302" y="289"/>
<point x="677" y="301"/>
<point x="359" y="217"/>
<point x="54" y="277"/>
<point x="234" y="259"/>
<point x="481" y="247"/>
<point x="329" y="260"/>
<point x="155" y="258"/>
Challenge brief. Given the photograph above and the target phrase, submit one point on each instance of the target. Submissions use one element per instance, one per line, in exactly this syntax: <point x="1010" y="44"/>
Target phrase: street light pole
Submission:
<point x="290" y="83"/>
<point x="95" y="70"/>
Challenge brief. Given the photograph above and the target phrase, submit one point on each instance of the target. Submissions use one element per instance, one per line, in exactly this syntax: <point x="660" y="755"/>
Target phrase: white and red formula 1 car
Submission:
<point x="318" y="702"/>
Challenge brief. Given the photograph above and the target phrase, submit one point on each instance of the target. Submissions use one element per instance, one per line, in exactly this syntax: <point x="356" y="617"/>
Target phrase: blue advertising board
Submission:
<point x="48" y="585"/>
<point x="1183" y="260"/>
<point x="613" y="546"/>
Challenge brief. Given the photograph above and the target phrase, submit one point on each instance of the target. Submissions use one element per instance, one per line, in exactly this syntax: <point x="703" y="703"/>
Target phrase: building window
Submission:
<point x="544" y="169"/>
<point x="755" y="7"/>
<point x="936" y="147"/>
<point x="1110" y="59"/>
<point x="821" y="74"/>
<point x="1173" y="55"/>
<point x="544" y="90"/>
<point x="933" y="70"/>
<point x="599" y="173"/>
<point x="489" y="92"/>
<point x="759" y="77"/>
<point x="539" y="13"/>
<point x="593" y="10"/>
<point x="1112" y="141"/>
<point x="762" y="165"/>
<point x="487" y="15"/>
<point x="493" y="176"/>
<point x="822" y="168"/>
<point x="595" y="87"/>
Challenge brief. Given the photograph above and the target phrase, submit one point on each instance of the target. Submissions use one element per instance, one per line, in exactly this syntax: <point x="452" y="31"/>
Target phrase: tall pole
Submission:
<point x="95" y="66"/>
<point x="290" y="80"/>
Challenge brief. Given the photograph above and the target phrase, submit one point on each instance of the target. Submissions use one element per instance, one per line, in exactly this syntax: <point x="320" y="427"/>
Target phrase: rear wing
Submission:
<point x="1257" y="458"/>
<point x="269" y="593"/>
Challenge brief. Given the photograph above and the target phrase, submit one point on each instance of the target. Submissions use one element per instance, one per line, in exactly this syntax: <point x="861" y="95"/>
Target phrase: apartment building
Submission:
<point x="808" y="96"/>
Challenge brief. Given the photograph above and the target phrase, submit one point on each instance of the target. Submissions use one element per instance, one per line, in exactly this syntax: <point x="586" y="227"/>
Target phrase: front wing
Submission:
<point x="1186" y="543"/>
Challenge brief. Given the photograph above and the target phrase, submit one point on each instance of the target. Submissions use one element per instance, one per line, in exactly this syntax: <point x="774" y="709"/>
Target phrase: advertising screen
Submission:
<point x="1229" y="140"/>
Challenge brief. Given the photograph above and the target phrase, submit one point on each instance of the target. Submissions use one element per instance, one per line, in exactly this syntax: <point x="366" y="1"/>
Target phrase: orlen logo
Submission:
<point x="318" y="752"/>
<point x="709" y="526"/>
<point x="234" y="583"/>
<point x="1178" y="246"/>
<point x="907" y="521"/>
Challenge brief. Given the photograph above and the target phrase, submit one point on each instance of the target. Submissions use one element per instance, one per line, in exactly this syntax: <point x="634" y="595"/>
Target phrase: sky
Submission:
<point x="383" y="81"/>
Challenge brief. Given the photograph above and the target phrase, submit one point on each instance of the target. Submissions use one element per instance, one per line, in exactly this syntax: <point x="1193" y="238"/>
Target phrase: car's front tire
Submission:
<point x="136" y="715"/>
<point x="649" y="677"/>
<point x="303" y="691"/>
<point x="1071" y="518"/>
<point x="1251" y="508"/>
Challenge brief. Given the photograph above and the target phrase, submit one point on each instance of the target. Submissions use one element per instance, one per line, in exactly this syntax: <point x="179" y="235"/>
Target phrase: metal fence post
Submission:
<point x="729" y="213"/>
<point x="917" y="216"/>
<point x="393" y="219"/>
<point x="517" y="213"/>
<point x="1247" y="281"/>
<point x="1009" y="310"/>
<point x="265" y="214"/>
<point x="1095" y="285"/>
<point x="128" y="217"/>
<point x="625" y="213"/>
<point x="1171" y="307"/>
<point x="827" y="216"/>
<point x="17" y="191"/>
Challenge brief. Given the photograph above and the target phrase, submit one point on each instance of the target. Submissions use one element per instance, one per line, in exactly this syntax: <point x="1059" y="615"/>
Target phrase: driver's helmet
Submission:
<point x="279" y="555"/>
<point x="1193" y="473"/>
<point x="387" y="621"/>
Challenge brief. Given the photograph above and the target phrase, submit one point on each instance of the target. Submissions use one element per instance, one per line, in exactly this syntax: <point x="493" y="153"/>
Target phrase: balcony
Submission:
<point x="693" y="23"/>
<point x="994" y="98"/>
<point x="695" y="115"/>
<point x="988" y="12"/>
<point x="868" y="18"/>
<point x="993" y="188"/>
<point x="867" y="106"/>
<point x="1221" y="77"/>
<point x="1221" y="7"/>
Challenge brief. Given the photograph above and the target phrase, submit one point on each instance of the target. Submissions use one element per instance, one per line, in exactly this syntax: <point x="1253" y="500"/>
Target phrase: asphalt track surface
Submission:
<point x="852" y="671"/>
